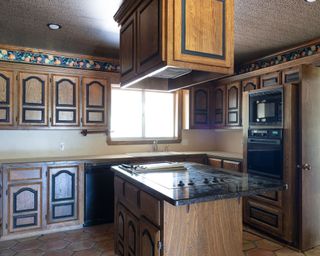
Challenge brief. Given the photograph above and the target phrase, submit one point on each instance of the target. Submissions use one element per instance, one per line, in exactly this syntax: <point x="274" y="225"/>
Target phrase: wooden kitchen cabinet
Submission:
<point x="120" y="221"/>
<point x="270" y="79"/>
<point x="132" y="234"/>
<point x="219" y="110"/>
<point x="251" y="84"/>
<point x="199" y="106"/>
<point x="173" y="38"/>
<point x="33" y="99"/>
<point x="150" y="238"/>
<point x="65" y="98"/>
<point x="6" y="98"/>
<point x="95" y="93"/>
<point x="232" y="165"/>
<point x="233" y="109"/>
<point x="63" y="193"/>
<point x="291" y="75"/>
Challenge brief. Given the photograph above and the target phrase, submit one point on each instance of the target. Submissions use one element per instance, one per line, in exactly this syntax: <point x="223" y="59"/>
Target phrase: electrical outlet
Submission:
<point x="61" y="146"/>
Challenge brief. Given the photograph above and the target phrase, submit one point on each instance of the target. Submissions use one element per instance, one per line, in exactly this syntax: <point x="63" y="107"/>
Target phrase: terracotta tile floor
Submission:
<point x="98" y="241"/>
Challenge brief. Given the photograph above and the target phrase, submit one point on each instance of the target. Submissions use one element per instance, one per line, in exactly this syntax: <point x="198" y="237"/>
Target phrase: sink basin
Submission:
<point x="141" y="154"/>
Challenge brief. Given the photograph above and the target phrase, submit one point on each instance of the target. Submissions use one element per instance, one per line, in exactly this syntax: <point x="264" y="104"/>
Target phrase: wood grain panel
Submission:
<point x="215" y="163"/>
<point x="203" y="229"/>
<point x="199" y="107"/>
<point x="219" y="108"/>
<point x="6" y="98"/>
<point x="251" y="84"/>
<point x="232" y="165"/>
<point x="95" y="93"/>
<point x="233" y="110"/>
<point x="270" y="79"/>
<point x="150" y="207"/>
<point x="33" y="99"/>
<point x="149" y="239"/>
<point x="25" y="174"/>
<point x="291" y="75"/>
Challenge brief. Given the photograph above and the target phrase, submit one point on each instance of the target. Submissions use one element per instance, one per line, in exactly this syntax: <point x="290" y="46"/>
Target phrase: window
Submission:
<point x="138" y="115"/>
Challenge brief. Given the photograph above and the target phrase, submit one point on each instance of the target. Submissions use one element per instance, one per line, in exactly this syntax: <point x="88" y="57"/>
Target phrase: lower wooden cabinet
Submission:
<point x="231" y="165"/>
<point x="40" y="196"/>
<point x="150" y="239"/>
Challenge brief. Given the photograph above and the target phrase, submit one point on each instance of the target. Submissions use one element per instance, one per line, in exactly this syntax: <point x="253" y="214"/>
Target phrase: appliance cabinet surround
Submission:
<point x="40" y="197"/>
<point x="175" y="37"/>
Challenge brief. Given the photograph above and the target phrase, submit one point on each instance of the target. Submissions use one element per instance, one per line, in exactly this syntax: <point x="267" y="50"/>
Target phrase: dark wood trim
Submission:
<point x="103" y="95"/>
<point x="53" y="191"/>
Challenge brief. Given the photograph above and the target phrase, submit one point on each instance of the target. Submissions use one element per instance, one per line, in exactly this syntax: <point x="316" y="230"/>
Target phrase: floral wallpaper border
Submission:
<point x="297" y="53"/>
<point x="42" y="58"/>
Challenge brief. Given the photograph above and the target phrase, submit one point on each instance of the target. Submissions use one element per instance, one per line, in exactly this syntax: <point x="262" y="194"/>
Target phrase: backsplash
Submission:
<point x="44" y="58"/>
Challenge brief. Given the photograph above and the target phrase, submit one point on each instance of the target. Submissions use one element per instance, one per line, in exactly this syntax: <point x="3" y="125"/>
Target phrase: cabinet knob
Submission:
<point x="305" y="167"/>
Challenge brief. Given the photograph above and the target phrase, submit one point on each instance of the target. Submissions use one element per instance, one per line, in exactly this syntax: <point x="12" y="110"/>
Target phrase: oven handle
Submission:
<point x="264" y="141"/>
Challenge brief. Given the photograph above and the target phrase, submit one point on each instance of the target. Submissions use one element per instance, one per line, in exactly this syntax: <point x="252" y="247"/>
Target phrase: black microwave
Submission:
<point x="266" y="107"/>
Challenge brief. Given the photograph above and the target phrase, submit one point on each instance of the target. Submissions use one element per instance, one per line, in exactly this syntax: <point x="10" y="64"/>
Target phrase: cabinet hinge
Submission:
<point x="160" y="246"/>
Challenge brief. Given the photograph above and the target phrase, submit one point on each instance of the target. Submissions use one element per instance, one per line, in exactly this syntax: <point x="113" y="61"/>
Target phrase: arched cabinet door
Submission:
<point x="219" y="106"/>
<point x="234" y="93"/>
<point x="65" y="100"/>
<point x="6" y="98"/>
<point x="120" y="222"/>
<point x="25" y="207"/>
<point x="199" y="99"/>
<point x="250" y="84"/>
<point x="149" y="239"/>
<point x="33" y="99"/>
<point x="63" y="193"/>
<point x="132" y="228"/>
<point x="95" y="93"/>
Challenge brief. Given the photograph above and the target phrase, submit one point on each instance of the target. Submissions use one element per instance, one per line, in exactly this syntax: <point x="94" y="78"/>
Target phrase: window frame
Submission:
<point x="178" y="107"/>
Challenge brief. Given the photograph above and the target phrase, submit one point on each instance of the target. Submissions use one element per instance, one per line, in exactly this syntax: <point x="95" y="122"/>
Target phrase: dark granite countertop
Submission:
<point x="220" y="183"/>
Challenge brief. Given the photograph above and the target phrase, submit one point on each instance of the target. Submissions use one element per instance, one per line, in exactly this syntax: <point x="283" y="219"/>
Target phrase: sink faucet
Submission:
<point x="155" y="146"/>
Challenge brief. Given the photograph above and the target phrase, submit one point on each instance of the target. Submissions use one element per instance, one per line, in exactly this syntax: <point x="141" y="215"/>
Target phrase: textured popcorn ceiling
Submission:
<point x="261" y="26"/>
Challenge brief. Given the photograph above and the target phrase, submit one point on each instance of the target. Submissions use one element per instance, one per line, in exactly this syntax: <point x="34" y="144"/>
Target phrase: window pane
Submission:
<point x="126" y="114"/>
<point x="159" y="114"/>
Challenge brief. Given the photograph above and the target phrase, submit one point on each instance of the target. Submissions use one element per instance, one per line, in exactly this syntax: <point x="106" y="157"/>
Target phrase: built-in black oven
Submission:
<point x="265" y="152"/>
<point x="266" y="107"/>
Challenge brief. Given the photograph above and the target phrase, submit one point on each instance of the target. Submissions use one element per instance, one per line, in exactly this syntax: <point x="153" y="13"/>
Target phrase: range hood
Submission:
<point x="168" y="45"/>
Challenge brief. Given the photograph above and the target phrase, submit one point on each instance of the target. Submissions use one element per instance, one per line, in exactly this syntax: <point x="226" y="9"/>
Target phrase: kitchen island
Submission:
<point x="184" y="209"/>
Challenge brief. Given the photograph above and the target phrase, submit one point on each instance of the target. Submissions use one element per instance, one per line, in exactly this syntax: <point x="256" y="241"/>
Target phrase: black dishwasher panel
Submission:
<point x="99" y="195"/>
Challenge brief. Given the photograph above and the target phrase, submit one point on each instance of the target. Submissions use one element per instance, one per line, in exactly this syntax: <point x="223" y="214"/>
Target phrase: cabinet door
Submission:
<point x="233" y="117"/>
<point x="63" y="193"/>
<point x="25" y="207"/>
<point x="271" y="79"/>
<point x="149" y="239"/>
<point x="132" y="235"/>
<point x="33" y="99"/>
<point x="218" y="99"/>
<point x="120" y="221"/>
<point x="251" y="84"/>
<point x="199" y="98"/>
<point x="94" y="101"/>
<point x="149" y="35"/>
<point x="128" y="49"/>
<point x="6" y="98"/>
<point x="291" y="75"/>
<point x="65" y="101"/>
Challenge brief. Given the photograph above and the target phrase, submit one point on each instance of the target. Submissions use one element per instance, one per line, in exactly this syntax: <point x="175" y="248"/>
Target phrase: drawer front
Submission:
<point x="273" y="198"/>
<point x="264" y="217"/>
<point x="18" y="174"/>
<point x="131" y="194"/>
<point x="214" y="162"/>
<point x="232" y="165"/>
<point x="150" y="207"/>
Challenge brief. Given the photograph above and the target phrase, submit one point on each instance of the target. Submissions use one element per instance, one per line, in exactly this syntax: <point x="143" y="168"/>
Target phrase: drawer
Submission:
<point x="267" y="218"/>
<point x="273" y="198"/>
<point x="214" y="162"/>
<point x="232" y="165"/>
<point x="150" y="207"/>
<point x="19" y="174"/>
<point x="131" y="195"/>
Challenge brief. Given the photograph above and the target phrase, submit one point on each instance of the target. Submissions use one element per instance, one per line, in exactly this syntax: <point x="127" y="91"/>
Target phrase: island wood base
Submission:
<point x="149" y="226"/>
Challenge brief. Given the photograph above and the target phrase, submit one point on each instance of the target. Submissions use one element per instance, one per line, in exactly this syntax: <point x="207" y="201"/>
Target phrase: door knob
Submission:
<point x="305" y="167"/>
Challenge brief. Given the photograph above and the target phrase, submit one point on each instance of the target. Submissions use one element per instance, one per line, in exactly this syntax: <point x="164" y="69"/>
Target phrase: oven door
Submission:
<point x="265" y="157"/>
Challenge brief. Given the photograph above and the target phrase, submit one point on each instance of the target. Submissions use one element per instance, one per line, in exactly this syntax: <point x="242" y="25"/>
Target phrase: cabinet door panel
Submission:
<point x="271" y="79"/>
<point x="128" y="49"/>
<point x="251" y="84"/>
<point x="25" y="207"/>
<point x="65" y="100"/>
<point x="233" y="105"/>
<point x="149" y="35"/>
<point x="150" y="237"/>
<point x="63" y="196"/>
<point x="120" y="223"/>
<point x="292" y="75"/>
<point x="95" y="93"/>
<point x="199" y="98"/>
<point x="219" y="106"/>
<point x="132" y="232"/>
<point x="33" y="99"/>
<point x="6" y="98"/>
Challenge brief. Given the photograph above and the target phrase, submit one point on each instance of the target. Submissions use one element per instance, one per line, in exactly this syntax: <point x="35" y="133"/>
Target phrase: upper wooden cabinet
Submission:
<point x="251" y="84"/>
<point x="233" y="111"/>
<point x="291" y="75"/>
<point x="171" y="38"/>
<point x="270" y="79"/>
<point x="218" y="100"/>
<point x="6" y="98"/>
<point x="33" y="99"/>
<point x="65" y="100"/>
<point x="94" y="101"/>
<point x="199" y="99"/>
